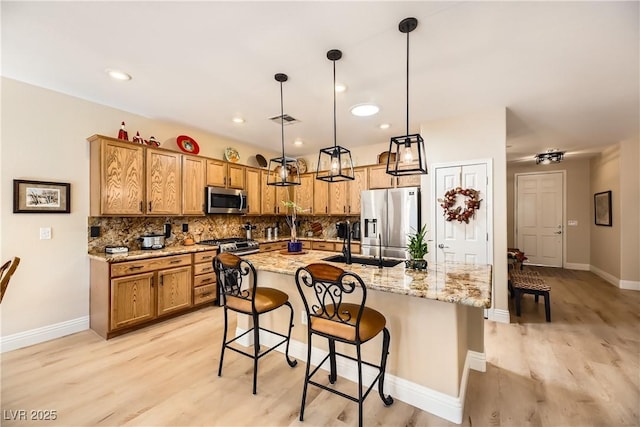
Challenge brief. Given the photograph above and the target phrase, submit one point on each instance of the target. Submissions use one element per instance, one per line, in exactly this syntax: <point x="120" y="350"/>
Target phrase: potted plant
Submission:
<point x="417" y="249"/>
<point x="294" y="245"/>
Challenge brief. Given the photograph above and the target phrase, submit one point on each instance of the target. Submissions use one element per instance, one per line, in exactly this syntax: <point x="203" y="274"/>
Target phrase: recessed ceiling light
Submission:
<point x="298" y="142"/>
<point x="385" y="126"/>
<point x="364" y="110"/>
<point x="118" y="75"/>
<point x="238" y="120"/>
<point x="341" y="87"/>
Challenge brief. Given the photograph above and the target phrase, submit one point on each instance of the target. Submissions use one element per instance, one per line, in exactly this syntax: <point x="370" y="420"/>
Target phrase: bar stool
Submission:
<point x="6" y="271"/>
<point x="231" y="271"/>
<point x="331" y="317"/>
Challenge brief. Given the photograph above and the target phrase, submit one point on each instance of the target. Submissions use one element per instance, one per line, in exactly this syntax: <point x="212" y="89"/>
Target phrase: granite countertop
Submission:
<point x="302" y="239"/>
<point x="457" y="283"/>
<point x="153" y="253"/>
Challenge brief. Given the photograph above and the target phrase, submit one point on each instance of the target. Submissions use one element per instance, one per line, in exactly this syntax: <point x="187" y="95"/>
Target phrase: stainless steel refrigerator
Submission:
<point x="386" y="218"/>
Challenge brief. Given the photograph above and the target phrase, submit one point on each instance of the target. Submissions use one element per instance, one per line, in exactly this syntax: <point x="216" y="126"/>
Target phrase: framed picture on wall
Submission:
<point x="41" y="197"/>
<point x="602" y="207"/>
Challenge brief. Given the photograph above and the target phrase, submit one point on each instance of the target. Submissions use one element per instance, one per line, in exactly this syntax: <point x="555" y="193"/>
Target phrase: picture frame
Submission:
<point x="602" y="208"/>
<point x="41" y="197"/>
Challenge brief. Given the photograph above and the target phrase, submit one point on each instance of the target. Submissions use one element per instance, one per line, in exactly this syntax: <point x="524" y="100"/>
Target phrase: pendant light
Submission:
<point x="337" y="158"/>
<point x="283" y="171"/>
<point x="406" y="153"/>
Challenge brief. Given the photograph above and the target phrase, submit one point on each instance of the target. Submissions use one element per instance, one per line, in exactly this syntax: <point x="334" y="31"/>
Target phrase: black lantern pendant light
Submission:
<point x="338" y="158"/>
<point x="283" y="171"/>
<point x="406" y="152"/>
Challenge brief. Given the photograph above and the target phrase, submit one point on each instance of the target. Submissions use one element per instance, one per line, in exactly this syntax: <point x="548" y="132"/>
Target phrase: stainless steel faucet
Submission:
<point x="379" y="251"/>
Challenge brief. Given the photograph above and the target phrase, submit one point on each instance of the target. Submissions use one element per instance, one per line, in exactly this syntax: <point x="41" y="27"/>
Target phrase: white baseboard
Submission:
<point x="498" y="315"/>
<point x="45" y="333"/>
<point x="631" y="285"/>
<point x="576" y="266"/>
<point x="443" y="405"/>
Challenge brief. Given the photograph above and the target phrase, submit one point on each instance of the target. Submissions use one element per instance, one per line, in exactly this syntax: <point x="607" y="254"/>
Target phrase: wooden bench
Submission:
<point x="529" y="282"/>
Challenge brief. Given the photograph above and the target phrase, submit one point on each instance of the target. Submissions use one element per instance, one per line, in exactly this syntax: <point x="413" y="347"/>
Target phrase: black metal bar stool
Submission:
<point x="231" y="271"/>
<point x="332" y="317"/>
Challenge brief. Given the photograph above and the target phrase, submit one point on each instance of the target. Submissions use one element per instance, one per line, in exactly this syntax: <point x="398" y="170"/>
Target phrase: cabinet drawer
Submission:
<point x="207" y="256"/>
<point x="323" y="246"/>
<point x="306" y="244"/>
<point x="150" y="264"/>
<point x="204" y="294"/>
<point x="355" y="248"/>
<point x="204" y="279"/>
<point x="203" y="268"/>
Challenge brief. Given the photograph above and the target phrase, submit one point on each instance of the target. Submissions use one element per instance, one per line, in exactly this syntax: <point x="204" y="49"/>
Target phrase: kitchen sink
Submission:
<point x="364" y="260"/>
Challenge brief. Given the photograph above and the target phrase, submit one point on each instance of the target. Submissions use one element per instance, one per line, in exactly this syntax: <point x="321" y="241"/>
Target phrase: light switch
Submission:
<point x="573" y="222"/>
<point x="45" y="233"/>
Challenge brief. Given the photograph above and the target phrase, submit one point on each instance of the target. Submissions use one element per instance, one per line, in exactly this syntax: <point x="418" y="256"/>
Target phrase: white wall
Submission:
<point x="44" y="138"/>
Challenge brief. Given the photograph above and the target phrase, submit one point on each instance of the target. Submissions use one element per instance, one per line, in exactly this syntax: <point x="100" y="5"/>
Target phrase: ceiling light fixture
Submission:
<point x="407" y="150"/>
<point x="364" y="110"/>
<point x="341" y="87"/>
<point x="118" y="75"/>
<point x="551" y="156"/>
<point x="283" y="171"/>
<point x="338" y="158"/>
<point x="384" y="126"/>
<point x="238" y="120"/>
<point x="298" y="142"/>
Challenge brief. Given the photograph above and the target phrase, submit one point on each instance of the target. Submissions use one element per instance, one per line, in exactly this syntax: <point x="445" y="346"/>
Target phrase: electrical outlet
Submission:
<point x="45" y="233"/>
<point x="303" y="317"/>
<point x="185" y="228"/>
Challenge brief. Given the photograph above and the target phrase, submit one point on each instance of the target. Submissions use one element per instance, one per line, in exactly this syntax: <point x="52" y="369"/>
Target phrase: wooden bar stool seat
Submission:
<point x="530" y="282"/>
<point x="238" y="281"/>
<point x="324" y="290"/>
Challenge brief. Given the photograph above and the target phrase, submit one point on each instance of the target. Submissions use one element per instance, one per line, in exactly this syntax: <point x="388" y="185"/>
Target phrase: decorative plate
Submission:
<point x="302" y="164"/>
<point x="231" y="154"/>
<point x="188" y="145"/>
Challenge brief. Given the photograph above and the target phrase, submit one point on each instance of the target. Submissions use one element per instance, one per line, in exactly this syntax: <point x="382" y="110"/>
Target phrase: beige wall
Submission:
<point x="44" y="138"/>
<point x="578" y="204"/>
<point x="605" y="241"/>
<point x="477" y="136"/>
<point x="630" y="209"/>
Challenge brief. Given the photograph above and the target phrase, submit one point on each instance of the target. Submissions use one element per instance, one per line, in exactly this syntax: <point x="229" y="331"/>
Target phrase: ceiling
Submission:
<point x="567" y="72"/>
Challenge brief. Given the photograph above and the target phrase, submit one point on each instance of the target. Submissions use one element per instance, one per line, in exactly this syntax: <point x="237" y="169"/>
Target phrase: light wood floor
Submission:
<point x="580" y="370"/>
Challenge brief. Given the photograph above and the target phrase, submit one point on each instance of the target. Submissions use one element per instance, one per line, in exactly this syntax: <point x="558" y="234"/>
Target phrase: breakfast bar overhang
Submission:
<point x="435" y="317"/>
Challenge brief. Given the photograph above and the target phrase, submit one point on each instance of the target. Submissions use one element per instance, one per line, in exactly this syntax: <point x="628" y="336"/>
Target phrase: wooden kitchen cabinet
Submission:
<point x="204" y="278"/>
<point x="273" y="196"/>
<point x="164" y="182"/>
<point x="128" y="294"/>
<point x="224" y="174"/>
<point x="253" y="187"/>
<point x="304" y="193"/>
<point x="338" y="198"/>
<point x="360" y="183"/>
<point x="345" y="197"/>
<point x="320" y="197"/>
<point x="193" y="183"/>
<point x="379" y="178"/>
<point x="117" y="178"/>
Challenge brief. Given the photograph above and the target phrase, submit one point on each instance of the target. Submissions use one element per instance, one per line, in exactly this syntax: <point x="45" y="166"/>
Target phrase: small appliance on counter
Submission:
<point x="116" y="249"/>
<point x="151" y="241"/>
<point x="248" y="227"/>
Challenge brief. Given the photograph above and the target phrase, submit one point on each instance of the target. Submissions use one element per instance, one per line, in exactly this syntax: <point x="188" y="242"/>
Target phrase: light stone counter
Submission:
<point x="152" y="253"/>
<point x="457" y="283"/>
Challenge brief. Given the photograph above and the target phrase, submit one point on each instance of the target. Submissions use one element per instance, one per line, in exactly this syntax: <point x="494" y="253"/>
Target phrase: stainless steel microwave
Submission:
<point x="226" y="201"/>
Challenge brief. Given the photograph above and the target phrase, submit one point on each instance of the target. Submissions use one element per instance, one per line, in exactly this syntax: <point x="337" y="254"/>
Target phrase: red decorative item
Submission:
<point x="138" y="139"/>
<point x="472" y="204"/>
<point x="122" y="133"/>
<point x="188" y="145"/>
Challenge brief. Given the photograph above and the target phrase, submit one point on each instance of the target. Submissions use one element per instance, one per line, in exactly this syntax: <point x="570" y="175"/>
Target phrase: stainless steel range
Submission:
<point x="235" y="245"/>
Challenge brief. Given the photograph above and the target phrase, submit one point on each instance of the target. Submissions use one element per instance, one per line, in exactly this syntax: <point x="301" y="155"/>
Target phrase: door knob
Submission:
<point x="558" y="232"/>
<point x="442" y="246"/>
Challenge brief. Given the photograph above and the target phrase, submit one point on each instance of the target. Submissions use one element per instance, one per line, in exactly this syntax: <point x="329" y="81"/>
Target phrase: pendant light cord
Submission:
<point x="407" y="83"/>
<point x="282" y="123"/>
<point x="335" y="134"/>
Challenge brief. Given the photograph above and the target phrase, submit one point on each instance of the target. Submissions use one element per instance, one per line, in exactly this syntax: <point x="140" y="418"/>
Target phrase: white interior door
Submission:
<point x="459" y="241"/>
<point x="539" y="217"/>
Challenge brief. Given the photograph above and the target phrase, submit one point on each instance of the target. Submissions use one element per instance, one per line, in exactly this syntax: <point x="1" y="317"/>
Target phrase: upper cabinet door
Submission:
<point x="378" y="177"/>
<point x="338" y="198"/>
<point x="235" y="176"/>
<point x="253" y="188"/>
<point x="320" y="197"/>
<point x="216" y="173"/>
<point x="409" y="181"/>
<point x="356" y="187"/>
<point x="164" y="182"/>
<point x="304" y="194"/>
<point x="193" y="181"/>
<point x="121" y="178"/>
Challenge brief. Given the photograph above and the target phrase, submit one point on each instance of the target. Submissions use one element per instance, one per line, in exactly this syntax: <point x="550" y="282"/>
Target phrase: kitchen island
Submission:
<point x="435" y="318"/>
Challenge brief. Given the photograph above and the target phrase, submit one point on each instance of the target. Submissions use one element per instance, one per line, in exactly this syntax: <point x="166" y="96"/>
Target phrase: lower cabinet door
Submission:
<point x="132" y="300"/>
<point x="174" y="289"/>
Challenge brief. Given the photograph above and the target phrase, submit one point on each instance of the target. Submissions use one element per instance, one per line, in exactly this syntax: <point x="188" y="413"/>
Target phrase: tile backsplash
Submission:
<point x="124" y="231"/>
